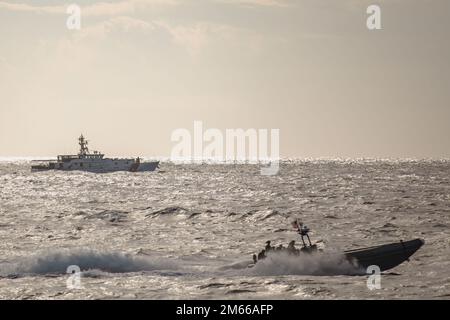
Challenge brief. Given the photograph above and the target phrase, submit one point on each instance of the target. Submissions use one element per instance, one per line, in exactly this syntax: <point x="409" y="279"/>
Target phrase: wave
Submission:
<point x="262" y="215"/>
<point x="167" y="211"/>
<point x="57" y="262"/>
<point x="108" y="215"/>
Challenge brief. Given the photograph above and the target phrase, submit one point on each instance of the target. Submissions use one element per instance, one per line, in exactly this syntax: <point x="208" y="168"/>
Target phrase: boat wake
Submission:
<point x="97" y="264"/>
<point x="57" y="262"/>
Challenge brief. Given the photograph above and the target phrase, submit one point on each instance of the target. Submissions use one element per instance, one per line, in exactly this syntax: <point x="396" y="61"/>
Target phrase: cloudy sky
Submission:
<point x="139" y="69"/>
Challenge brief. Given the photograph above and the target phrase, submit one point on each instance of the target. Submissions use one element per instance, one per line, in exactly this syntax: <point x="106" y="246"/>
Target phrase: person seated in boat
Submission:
<point x="262" y="254"/>
<point x="279" y="248"/>
<point x="303" y="231"/>
<point x="291" y="248"/>
<point x="268" y="246"/>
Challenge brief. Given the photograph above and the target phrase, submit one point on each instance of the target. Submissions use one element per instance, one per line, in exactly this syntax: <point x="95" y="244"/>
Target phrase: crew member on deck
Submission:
<point x="291" y="247"/>
<point x="262" y="254"/>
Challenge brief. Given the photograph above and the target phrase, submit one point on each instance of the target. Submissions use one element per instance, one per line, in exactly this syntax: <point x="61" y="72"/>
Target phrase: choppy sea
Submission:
<point x="188" y="231"/>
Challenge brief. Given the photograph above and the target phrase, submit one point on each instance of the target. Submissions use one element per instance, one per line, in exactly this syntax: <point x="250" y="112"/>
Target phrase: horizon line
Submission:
<point x="250" y="161"/>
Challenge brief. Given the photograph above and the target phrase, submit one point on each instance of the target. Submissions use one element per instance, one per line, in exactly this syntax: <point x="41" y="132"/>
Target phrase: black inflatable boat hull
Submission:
<point x="385" y="256"/>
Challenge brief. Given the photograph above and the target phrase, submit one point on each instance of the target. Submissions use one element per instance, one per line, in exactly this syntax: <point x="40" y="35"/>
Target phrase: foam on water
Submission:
<point x="100" y="263"/>
<point x="57" y="262"/>
<point x="320" y="264"/>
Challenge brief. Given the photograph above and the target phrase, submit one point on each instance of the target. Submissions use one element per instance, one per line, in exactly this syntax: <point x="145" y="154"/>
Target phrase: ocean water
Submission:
<point x="189" y="231"/>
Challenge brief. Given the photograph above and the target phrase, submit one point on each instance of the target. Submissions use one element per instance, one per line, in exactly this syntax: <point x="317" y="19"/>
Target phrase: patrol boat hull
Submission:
<point x="94" y="162"/>
<point x="107" y="165"/>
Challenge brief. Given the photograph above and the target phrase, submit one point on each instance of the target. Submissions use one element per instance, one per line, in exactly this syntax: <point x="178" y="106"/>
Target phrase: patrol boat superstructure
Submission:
<point x="95" y="162"/>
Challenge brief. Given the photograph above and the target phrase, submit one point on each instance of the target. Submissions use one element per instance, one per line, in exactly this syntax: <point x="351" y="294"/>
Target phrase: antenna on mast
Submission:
<point x="83" y="145"/>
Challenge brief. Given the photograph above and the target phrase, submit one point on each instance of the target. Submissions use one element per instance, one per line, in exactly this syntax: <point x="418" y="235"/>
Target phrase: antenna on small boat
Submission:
<point x="303" y="231"/>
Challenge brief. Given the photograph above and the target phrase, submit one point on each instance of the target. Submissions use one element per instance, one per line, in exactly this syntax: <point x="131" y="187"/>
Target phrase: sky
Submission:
<point x="139" y="69"/>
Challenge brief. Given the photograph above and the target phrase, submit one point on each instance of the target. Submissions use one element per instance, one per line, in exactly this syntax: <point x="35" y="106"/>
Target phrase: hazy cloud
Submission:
<point x="23" y="7"/>
<point x="265" y="3"/>
<point x="95" y="9"/>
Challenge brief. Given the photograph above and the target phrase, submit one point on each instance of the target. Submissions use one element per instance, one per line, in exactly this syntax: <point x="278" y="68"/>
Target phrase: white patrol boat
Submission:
<point x="94" y="162"/>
